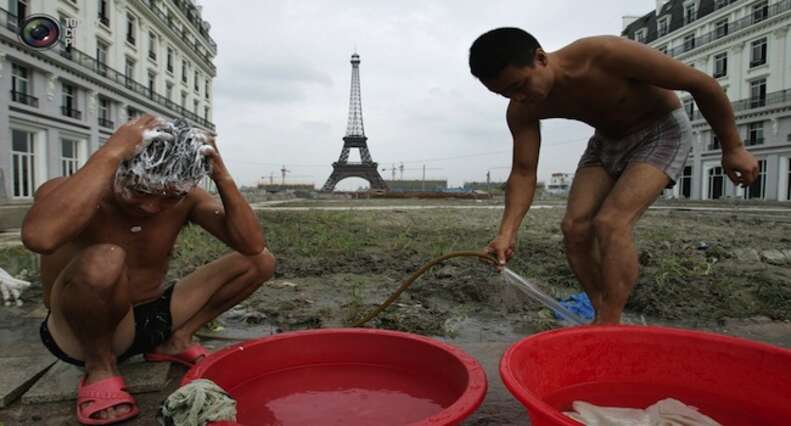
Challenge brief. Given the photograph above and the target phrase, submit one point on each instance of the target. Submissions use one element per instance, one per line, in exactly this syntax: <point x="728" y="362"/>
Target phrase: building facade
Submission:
<point x="560" y="183"/>
<point x="745" y="45"/>
<point x="128" y="57"/>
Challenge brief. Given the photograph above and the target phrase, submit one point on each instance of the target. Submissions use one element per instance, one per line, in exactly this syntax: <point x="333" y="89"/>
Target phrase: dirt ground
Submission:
<point x="334" y="266"/>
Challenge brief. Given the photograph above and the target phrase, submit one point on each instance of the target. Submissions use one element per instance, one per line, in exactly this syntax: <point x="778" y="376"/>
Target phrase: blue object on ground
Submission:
<point x="578" y="303"/>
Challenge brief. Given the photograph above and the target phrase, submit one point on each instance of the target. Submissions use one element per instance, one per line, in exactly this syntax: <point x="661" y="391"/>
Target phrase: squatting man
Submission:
<point x="625" y="90"/>
<point x="105" y="235"/>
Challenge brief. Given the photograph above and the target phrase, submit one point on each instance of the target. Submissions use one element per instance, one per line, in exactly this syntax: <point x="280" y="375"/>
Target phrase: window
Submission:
<point x="686" y="182"/>
<point x="195" y="106"/>
<point x="183" y="100"/>
<point x="758" y="93"/>
<point x="714" y="145"/>
<point x="69" y="158"/>
<point x="663" y="26"/>
<point x="104" y="113"/>
<point x="721" y="65"/>
<point x="101" y="57"/>
<point x="152" y="45"/>
<point x="206" y="88"/>
<point x="69" y="107"/>
<point x="689" y="107"/>
<point x="689" y="42"/>
<point x="129" y="71"/>
<point x="755" y="133"/>
<point x="719" y="4"/>
<point x="23" y="163"/>
<point x="104" y="15"/>
<point x="183" y="71"/>
<point x="716" y="183"/>
<point x="758" y="52"/>
<point x="196" y="81"/>
<point x="760" y="10"/>
<point x="206" y="113"/>
<point x="152" y="83"/>
<point x="170" y="59"/>
<point x="20" y="79"/>
<point x="757" y="191"/>
<point x="690" y="12"/>
<point x="19" y="9"/>
<point x="640" y="34"/>
<point x="788" y="182"/>
<point x="131" y="32"/>
<point x="721" y="28"/>
<point x="131" y="113"/>
<point x="169" y="90"/>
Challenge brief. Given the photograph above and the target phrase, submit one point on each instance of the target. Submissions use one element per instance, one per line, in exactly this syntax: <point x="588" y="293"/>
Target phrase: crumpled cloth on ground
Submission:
<point x="195" y="404"/>
<point x="667" y="412"/>
<point x="577" y="303"/>
<point x="11" y="288"/>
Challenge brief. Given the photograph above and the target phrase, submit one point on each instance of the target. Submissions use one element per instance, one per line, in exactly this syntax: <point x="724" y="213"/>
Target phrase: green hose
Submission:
<point x="405" y="285"/>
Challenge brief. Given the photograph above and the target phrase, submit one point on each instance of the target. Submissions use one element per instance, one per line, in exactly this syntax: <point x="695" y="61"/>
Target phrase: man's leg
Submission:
<point x="634" y="192"/>
<point x="91" y="317"/>
<point x="588" y="191"/>
<point x="211" y="290"/>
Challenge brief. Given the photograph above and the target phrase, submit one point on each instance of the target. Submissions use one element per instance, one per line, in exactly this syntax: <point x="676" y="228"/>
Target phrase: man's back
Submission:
<point x="589" y="89"/>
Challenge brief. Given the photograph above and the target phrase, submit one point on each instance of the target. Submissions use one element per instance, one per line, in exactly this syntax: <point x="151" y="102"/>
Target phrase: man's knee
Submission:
<point x="611" y="225"/>
<point x="576" y="231"/>
<point x="99" y="266"/>
<point x="260" y="267"/>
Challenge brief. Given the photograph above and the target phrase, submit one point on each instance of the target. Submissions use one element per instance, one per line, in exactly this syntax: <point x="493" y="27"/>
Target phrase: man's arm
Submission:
<point x="232" y="222"/>
<point x="521" y="185"/>
<point x="640" y="62"/>
<point x="62" y="207"/>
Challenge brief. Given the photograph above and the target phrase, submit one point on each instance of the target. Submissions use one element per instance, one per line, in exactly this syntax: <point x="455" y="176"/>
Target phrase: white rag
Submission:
<point x="667" y="412"/>
<point x="11" y="288"/>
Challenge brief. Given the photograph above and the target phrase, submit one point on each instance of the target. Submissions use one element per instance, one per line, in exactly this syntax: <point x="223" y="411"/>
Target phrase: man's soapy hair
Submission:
<point x="167" y="164"/>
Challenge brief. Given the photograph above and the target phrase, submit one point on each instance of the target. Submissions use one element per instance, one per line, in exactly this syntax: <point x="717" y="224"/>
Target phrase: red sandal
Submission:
<point x="102" y="395"/>
<point x="187" y="358"/>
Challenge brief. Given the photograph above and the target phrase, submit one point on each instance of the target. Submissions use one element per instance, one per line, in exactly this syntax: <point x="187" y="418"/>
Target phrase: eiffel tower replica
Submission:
<point x="355" y="138"/>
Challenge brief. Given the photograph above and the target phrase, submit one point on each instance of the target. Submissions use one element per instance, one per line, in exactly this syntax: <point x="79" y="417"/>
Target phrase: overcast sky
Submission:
<point x="283" y="78"/>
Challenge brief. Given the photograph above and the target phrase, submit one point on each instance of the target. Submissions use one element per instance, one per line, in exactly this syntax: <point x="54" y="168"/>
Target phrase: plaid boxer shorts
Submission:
<point x="664" y="144"/>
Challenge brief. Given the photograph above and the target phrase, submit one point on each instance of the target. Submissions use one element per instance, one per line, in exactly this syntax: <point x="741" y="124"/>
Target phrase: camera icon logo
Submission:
<point x="40" y="31"/>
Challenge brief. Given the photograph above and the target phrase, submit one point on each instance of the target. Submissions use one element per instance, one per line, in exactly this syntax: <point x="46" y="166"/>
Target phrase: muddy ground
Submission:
<point x="334" y="266"/>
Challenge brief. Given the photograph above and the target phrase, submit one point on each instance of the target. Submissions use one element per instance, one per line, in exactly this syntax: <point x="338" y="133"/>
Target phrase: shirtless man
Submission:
<point x="105" y="245"/>
<point x="624" y="90"/>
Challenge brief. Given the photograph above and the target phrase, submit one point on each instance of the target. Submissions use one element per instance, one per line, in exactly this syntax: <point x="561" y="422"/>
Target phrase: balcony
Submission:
<point x="733" y="27"/>
<point x="754" y="141"/>
<point x="24" y="98"/>
<point x="104" y="19"/>
<point x="152" y="55"/>
<point x="757" y="62"/>
<point x="106" y="123"/>
<point x="70" y="112"/>
<point x="131" y="39"/>
<point x="168" y="21"/>
<point x="770" y="99"/>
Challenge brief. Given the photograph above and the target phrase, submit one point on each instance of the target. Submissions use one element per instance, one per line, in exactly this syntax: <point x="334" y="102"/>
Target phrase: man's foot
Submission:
<point x="179" y="350"/>
<point x="102" y="399"/>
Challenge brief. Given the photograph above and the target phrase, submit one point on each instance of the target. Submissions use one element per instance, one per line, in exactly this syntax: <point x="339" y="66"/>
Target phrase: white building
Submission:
<point x="560" y="183"/>
<point x="744" y="44"/>
<point x="128" y="57"/>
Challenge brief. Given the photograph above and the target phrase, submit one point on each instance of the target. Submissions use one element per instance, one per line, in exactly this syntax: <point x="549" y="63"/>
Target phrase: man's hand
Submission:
<point x="740" y="166"/>
<point x="132" y="137"/>
<point x="502" y="247"/>
<point x="210" y="151"/>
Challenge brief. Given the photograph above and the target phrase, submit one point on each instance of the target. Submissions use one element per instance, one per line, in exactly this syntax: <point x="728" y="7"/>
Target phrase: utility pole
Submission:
<point x="423" y="185"/>
<point x="401" y="168"/>
<point x="488" y="180"/>
<point x="271" y="178"/>
<point x="393" y="170"/>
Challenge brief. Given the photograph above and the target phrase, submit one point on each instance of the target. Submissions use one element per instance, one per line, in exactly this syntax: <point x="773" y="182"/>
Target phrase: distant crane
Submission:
<point x="283" y="172"/>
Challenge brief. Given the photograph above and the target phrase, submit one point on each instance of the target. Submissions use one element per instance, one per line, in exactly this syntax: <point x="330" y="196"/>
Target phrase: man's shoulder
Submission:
<point x="591" y="47"/>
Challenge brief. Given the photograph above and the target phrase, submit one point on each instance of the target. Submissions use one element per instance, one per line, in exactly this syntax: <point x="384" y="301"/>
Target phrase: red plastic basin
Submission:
<point x="348" y="377"/>
<point x="734" y="381"/>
